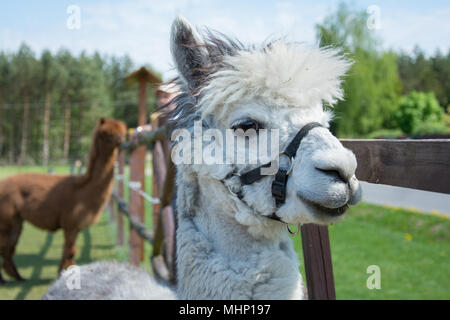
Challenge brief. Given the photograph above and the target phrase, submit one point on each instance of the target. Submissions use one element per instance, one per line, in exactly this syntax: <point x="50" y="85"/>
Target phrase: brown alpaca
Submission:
<point x="53" y="202"/>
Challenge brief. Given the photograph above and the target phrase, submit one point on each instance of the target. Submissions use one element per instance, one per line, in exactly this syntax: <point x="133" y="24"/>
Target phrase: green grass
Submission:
<point x="411" y="249"/>
<point x="39" y="252"/>
<point x="10" y="170"/>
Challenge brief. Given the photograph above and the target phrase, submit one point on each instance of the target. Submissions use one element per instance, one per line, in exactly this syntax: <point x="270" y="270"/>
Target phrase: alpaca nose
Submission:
<point x="337" y="173"/>
<point x="339" y="163"/>
<point x="119" y="139"/>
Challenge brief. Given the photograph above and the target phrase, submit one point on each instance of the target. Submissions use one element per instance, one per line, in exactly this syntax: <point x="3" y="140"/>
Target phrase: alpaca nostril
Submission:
<point x="335" y="172"/>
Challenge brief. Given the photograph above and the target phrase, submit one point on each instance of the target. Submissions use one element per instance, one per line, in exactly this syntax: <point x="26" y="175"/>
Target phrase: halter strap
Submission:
<point x="290" y="151"/>
<point x="281" y="178"/>
<point x="282" y="175"/>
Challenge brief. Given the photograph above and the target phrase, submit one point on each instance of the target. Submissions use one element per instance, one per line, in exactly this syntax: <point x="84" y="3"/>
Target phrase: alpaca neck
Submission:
<point x="218" y="258"/>
<point x="102" y="168"/>
<point x="100" y="171"/>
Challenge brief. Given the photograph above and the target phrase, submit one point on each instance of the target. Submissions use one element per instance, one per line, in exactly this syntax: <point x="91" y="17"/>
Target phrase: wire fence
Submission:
<point x="49" y="134"/>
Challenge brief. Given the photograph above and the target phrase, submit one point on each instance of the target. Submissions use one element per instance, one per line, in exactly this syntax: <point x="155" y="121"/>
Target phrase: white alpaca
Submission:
<point x="229" y="247"/>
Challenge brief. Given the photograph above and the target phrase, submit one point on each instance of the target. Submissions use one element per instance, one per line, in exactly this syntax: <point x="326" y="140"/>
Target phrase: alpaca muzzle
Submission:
<point x="119" y="140"/>
<point x="281" y="176"/>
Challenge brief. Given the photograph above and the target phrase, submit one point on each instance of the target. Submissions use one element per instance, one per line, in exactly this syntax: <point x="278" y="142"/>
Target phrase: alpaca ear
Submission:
<point x="188" y="52"/>
<point x="102" y="121"/>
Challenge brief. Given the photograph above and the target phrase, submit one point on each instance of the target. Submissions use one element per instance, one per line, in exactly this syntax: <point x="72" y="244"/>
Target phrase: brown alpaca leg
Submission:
<point x="68" y="258"/>
<point x="8" y="262"/>
<point x="3" y="239"/>
<point x="2" y="281"/>
<point x="11" y="269"/>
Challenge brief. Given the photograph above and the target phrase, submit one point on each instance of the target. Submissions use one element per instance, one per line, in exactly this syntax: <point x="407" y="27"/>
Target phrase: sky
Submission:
<point x="141" y="28"/>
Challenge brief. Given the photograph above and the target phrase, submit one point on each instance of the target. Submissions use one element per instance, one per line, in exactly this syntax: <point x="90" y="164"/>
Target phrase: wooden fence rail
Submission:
<point x="135" y="224"/>
<point x="418" y="164"/>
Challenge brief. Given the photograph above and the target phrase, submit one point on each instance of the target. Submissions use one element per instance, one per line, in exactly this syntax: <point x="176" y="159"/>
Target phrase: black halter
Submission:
<point x="282" y="175"/>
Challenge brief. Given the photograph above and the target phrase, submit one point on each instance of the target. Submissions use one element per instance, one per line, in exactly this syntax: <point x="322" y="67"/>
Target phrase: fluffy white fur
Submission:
<point x="285" y="74"/>
<point x="227" y="248"/>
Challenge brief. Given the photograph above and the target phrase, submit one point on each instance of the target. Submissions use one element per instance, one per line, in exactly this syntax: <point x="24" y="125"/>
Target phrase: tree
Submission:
<point x="347" y="29"/>
<point x="65" y="84"/>
<point x="372" y="86"/>
<point x="417" y="108"/>
<point x="49" y="106"/>
<point x="5" y="86"/>
<point x="24" y="64"/>
<point x="49" y="77"/>
<point x="441" y="66"/>
<point x="419" y="73"/>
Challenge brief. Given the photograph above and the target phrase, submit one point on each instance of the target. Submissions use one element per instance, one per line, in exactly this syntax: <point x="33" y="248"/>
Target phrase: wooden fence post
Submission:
<point x="137" y="181"/>
<point x="318" y="265"/>
<point x="163" y="215"/>
<point x="120" y="194"/>
<point x="137" y="161"/>
<point x="137" y="207"/>
<point x="156" y="176"/>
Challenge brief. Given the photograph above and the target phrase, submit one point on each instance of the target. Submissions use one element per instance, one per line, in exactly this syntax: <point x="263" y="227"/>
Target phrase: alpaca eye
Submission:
<point x="246" y="125"/>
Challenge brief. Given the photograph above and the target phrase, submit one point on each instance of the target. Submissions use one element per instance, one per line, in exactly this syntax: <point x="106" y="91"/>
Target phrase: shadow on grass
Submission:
<point x="85" y="255"/>
<point x="103" y="246"/>
<point x="29" y="260"/>
<point x="27" y="285"/>
<point x="37" y="261"/>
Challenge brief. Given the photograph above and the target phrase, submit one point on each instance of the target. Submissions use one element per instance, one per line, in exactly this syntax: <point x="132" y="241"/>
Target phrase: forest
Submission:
<point x="50" y="101"/>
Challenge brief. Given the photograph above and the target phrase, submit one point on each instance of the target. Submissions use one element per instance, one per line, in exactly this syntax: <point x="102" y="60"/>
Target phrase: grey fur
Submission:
<point x="189" y="53"/>
<point x="109" y="280"/>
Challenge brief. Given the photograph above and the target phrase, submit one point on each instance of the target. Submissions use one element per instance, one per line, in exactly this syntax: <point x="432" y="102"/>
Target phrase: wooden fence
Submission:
<point x="418" y="164"/>
<point x="162" y="236"/>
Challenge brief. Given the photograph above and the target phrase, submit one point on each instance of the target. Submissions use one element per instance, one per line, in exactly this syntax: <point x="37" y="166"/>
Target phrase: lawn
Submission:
<point x="38" y="254"/>
<point x="410" y="248"/>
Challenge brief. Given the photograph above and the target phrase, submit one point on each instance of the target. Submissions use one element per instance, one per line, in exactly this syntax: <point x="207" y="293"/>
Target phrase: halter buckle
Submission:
<point x="291" y="162"/>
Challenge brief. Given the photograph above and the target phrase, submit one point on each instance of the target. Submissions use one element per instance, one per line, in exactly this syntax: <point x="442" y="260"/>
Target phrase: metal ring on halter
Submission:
<point x="293" y="233"/>
<point x="291" y="162"/>
<point x="233" y="193"/>
<point x="229" y="187"/>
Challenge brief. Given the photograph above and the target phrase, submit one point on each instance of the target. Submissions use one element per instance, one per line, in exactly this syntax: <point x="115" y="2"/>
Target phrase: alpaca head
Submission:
<point x="110" y="133"/>
<point x="279" y="87"/>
